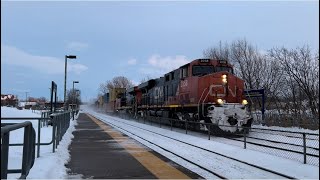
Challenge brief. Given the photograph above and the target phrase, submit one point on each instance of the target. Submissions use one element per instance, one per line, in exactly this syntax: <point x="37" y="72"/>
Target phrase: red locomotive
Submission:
<point x="204" y="90"/>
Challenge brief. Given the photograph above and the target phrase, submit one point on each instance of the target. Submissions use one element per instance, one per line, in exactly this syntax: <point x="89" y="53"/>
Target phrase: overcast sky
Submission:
<point x="134" y="39"/>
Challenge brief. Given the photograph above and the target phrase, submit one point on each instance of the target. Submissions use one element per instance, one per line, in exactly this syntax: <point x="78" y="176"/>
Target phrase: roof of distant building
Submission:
<point x="8" y="97"/>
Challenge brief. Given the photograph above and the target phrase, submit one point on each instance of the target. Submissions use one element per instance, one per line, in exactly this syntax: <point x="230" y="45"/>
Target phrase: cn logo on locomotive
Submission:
<point x="218" y="87"/>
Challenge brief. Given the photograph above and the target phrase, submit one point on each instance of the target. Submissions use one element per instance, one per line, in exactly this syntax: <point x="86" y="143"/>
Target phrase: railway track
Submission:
<point x="188" y="145"/>
<point x="312" y="153"/>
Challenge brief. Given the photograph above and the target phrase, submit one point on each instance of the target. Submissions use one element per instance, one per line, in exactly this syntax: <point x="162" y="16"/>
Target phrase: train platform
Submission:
<point x="99" y="151"/>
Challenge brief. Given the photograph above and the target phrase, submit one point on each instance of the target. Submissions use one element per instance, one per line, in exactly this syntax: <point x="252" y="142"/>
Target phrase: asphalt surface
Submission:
<point x="96" y="153"/>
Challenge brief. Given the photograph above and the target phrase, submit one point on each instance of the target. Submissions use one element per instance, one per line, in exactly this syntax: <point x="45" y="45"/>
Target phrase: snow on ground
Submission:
<point x="231" y="169"/>
<point x="49" y="165"/>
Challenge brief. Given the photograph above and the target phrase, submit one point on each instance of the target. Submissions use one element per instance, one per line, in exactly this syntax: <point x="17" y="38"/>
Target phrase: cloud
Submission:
<point x="167" y="63"/>
<point x="77" y="46"/>
<point x="132" y="61"/>
<point x="158" y="66"/>
<point x="50" y="65"/>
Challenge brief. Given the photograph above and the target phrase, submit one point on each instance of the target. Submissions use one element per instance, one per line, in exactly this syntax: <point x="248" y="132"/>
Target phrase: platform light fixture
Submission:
<point x="65" y="74"/>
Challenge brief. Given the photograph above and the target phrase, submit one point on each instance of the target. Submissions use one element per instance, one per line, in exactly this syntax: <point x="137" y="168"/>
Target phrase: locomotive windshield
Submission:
<point x="202" y="70"/>
<point x="223" y="68"/>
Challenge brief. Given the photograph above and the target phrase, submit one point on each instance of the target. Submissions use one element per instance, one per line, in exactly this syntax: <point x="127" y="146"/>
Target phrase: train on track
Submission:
<point x="204" y="90"/>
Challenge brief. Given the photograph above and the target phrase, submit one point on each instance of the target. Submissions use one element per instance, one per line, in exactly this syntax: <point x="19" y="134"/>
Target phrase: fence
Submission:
<point x="274" y="118"/>
<point x="299" y="146"/>
<point x="60" y="123"/>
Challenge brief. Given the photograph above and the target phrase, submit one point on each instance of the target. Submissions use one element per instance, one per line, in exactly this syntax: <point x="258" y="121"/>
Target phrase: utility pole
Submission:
<point x="26" y="96"/>
<point x="26" y="99"/>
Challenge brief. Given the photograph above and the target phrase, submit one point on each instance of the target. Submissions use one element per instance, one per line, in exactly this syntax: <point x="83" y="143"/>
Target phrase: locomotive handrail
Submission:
<point x="204" y="100"/>
<point x="199" y="103"/>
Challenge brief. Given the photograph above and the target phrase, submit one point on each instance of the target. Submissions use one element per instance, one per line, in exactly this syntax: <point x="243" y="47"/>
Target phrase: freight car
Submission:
<point x="204" y="90"/>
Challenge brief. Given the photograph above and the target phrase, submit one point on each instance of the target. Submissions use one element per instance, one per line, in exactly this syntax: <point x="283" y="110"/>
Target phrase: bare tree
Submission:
<point x="73" y="97"/>
<point x="103" y="88"/>
<point x="116" y="82"/>
<point x="302" y="70"/>
<point x="222" y="52"/>
<point x="119" y="82"/>
<point x="42" y="99"/>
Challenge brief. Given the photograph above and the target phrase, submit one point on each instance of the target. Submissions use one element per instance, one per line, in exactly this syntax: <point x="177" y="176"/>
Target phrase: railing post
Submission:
<point x="209" y="125"/>
<point x="26" y="144"/>
<point x="54" y="125"/>
<point x="4" y="155"/>
<point x="170" y="124"/>
<point x="159" y="121"/>
<point x="304" y="148"/>
<point x="186" y="127"/>
<point x="244" y="139"/>
<point x="38" y="147"/>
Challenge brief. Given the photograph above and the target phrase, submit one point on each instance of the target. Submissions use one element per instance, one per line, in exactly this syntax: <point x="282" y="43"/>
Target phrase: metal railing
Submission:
<point x="28" y="155"/>
<point x="45" y="121"/>
<point x="299" y="146"/>
<point x="60" y="123"/>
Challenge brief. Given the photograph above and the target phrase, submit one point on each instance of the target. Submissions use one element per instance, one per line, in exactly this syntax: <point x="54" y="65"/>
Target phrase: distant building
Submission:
<point x="8" y="100"/>
<point x="58" y="104"/>
<point x="29" y="105"/>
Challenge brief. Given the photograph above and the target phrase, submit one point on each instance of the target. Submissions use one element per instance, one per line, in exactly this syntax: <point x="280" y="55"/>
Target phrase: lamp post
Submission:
<point x="73" y="97"/>
<point x="73" y="91"/>
<point x="65" y="75"/>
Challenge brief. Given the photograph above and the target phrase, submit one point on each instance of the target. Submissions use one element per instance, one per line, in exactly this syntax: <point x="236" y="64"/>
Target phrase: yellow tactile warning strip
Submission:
<point x="155" y="165"/>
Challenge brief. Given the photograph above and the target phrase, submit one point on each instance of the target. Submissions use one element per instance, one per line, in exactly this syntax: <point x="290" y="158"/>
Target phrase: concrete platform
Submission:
<point x="100" y="152"/>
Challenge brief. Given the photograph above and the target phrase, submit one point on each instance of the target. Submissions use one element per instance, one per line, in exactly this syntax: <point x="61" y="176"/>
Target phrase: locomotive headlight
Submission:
<point x="244" y="102"/>
<point x="220" y="101"/>
<point x="224" y="78"/>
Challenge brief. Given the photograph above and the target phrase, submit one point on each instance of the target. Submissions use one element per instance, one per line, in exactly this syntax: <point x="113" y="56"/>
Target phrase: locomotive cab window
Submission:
<point x="172" y="75"/>
<point x="223" y="68"/>
<point x="202" y="70"/>
<point x="167" y="77"/>
<point x="184" y="72"/>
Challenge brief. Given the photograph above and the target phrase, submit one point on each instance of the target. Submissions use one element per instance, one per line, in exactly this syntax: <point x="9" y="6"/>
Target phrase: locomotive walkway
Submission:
<point x="98" y="151"/>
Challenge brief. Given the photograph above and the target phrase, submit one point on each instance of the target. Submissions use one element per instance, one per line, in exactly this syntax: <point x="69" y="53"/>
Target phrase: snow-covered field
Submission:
<point x="49" y="165"/>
